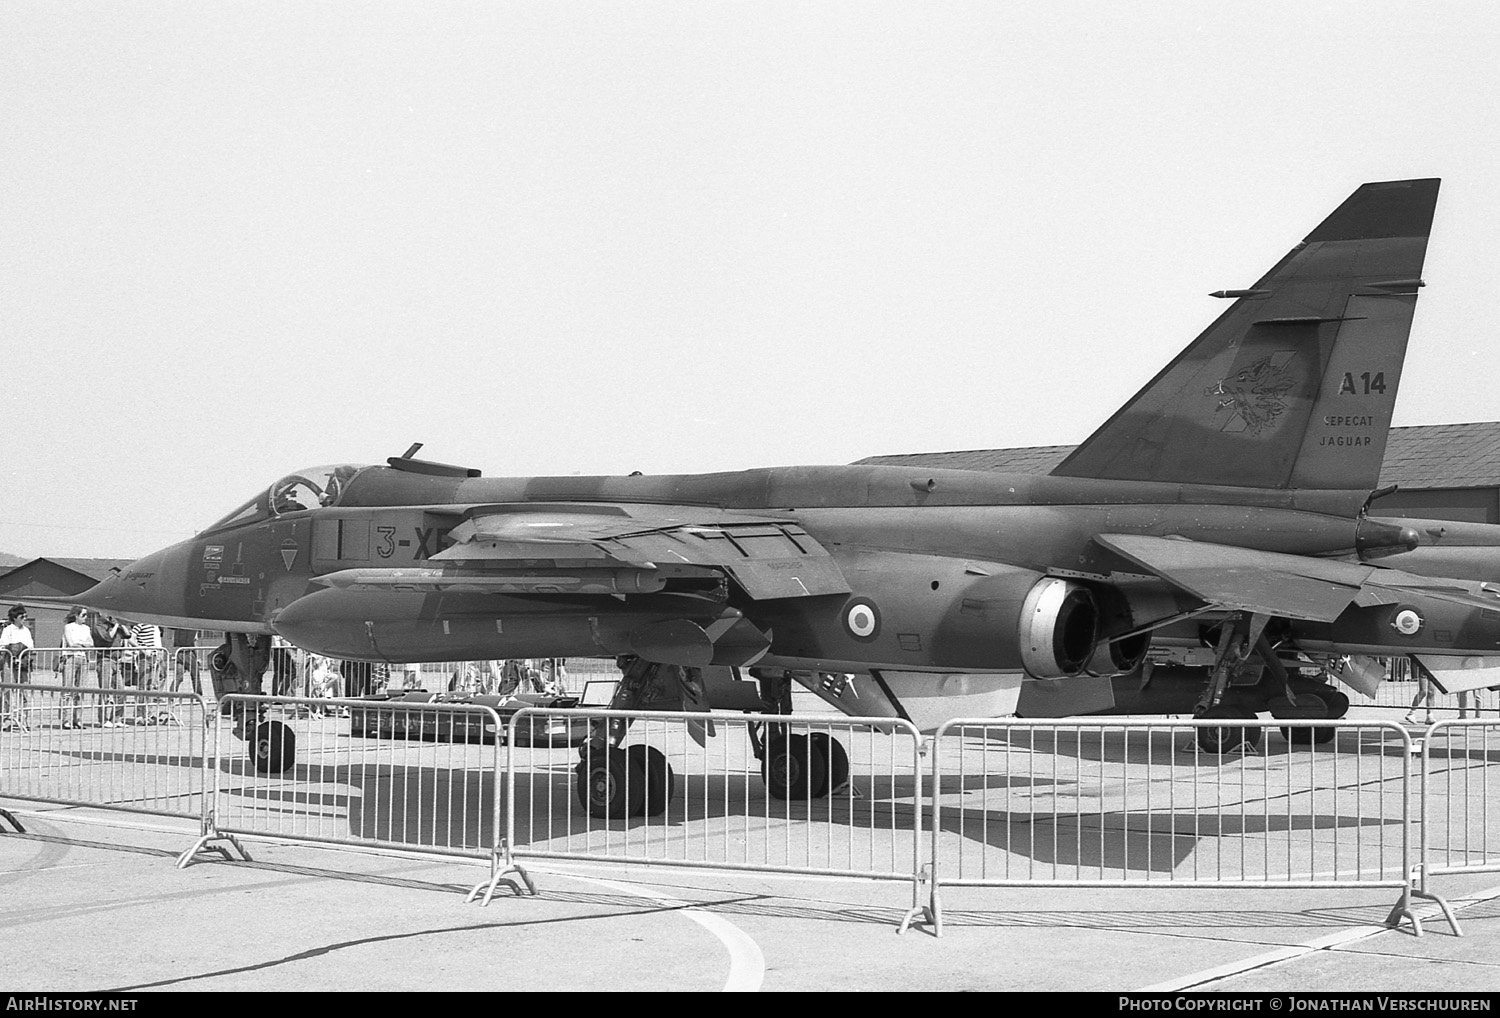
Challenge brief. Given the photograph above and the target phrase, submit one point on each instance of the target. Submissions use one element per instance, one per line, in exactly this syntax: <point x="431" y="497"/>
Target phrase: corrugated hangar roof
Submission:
<point x="1424" y="456"/>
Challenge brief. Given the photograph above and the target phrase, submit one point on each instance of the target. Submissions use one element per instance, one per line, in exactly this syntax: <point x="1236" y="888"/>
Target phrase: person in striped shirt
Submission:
<point x="150" y="665"/>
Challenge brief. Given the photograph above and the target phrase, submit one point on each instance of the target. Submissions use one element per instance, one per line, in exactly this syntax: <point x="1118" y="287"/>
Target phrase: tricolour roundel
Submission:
<point x="1408" y="622"/>
<point x="862" y="619"/>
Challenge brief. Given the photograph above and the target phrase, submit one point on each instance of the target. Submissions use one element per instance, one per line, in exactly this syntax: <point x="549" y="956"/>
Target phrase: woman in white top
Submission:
<point x="76" y="637"/>
<point x="16" y="645"/>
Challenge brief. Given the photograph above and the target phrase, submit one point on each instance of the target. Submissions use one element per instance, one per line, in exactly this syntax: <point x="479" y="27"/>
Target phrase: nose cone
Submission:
<point x="152" y="589"/>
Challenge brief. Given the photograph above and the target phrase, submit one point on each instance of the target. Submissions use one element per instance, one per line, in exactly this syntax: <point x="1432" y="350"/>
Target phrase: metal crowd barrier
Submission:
<point x="1072" y="803"/>
<point x="837" y="795"/>
<point x="301" y="776"/>
<point x="133" y="750"/>
<point x="1116" y="803"/>
<point x="1458" y="766"/>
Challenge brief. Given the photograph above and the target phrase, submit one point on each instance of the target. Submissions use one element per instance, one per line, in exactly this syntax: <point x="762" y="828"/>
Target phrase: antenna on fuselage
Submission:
<point x="408" y="454"/>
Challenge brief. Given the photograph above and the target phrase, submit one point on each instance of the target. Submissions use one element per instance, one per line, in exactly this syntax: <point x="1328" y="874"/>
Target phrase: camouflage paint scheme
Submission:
<point x="1231" y="490"/>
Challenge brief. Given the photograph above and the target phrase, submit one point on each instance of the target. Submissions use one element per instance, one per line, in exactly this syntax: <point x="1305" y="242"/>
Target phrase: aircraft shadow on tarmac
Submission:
<point x="1029" y="802"/>
<point x="1165" y="745"/>
<point x="456" y="808"/>
<point x="1136" y="842"/>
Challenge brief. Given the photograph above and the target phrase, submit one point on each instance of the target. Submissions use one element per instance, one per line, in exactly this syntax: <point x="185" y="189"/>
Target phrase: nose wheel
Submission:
<point x="274" y="747"/>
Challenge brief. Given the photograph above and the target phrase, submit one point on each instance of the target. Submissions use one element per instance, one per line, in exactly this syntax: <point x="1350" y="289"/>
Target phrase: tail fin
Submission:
<point x="1293" y="386"/>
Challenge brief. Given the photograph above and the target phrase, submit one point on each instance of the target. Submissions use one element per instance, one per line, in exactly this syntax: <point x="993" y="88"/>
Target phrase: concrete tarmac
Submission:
<point x="93" y="903"/>
<point x="92" y="900"/>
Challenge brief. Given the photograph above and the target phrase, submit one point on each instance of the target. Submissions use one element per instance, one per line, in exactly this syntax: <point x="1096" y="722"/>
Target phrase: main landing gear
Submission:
<point x="235" y="667"/>
<point x="618" y="783"/>
<point x="1248" y="677"/>
<point x="614" y="782"/>
<point x="801" y="766"/>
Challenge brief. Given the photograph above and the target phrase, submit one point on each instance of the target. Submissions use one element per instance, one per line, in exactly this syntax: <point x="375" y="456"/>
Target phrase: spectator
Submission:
<point x="554" y="675"/>
<point x="325" y="677"/>
<point x="510" y="677"/>
<point x="16" y="645"/>
<point x="283" y="671"/>
<point x="77" y="640"/>
<point x="357" y="677"/>
<point x="1423" y="697"/>
<point x="108" y="634"/>
<point x="149" y="659"/>
<point x="185" y="642"/>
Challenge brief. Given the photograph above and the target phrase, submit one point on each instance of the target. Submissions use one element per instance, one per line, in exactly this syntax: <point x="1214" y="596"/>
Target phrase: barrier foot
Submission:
<point x="10" y="818"/>
<point x="501" y="873"/>
<point x="920" y="915"/>
<point x="1442" y="904"/>
<point x="208" y="843"/>
<point x="489" y="886"/>
<point x="1402" y="910"/>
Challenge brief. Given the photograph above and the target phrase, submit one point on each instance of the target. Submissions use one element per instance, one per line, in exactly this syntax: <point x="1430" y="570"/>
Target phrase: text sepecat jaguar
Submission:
<point x="1227" y="497"/>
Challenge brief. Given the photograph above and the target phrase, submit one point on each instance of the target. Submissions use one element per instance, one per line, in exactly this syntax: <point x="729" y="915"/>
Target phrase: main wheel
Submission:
<point x="611" y="786"/>
<point x="794" y="768"/>
<point x="274" y="749"/>
<point x="1313" y="707"/>
<point x="1338" y="703"/>
<point x="660" y="781"/>
<point x="835" y="757"/>
<point x="1219" y="741"/>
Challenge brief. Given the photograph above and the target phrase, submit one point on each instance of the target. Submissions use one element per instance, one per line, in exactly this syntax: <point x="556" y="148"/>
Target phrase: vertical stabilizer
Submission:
<point x="1294" y="385"/>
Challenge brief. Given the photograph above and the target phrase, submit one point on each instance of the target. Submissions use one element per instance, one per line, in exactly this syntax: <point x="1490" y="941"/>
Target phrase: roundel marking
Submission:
<point x="862" y="619"/>
<point x="1408" y="622"/>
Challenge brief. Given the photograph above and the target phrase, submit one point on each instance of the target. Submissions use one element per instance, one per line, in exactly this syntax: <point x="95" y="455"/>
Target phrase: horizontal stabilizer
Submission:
<point x="1242" y="579"/>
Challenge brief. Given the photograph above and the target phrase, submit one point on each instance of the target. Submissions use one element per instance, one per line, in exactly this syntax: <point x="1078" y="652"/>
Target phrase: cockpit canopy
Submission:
<point x="313" y="488"/>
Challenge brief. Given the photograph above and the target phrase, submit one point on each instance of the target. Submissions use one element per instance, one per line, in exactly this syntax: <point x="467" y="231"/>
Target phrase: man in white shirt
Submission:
<point x="16" y="644"/>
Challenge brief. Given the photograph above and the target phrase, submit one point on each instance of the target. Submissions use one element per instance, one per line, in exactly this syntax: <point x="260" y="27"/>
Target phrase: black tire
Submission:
<point x="1313" y="736"/>
<point x="661" y="783"/>
<point x="274" y="749"/>
<point x="794" y="768"/>
<point x="1338" y="703"/>
<point x="1220" y="740"/>
<point x="835" y="757"/>
<point x="611" y="786"/>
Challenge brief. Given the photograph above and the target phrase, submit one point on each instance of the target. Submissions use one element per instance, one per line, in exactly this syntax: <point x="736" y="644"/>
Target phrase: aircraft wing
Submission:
<point x="611" y="548"/>
<point x="1243" y="579"/>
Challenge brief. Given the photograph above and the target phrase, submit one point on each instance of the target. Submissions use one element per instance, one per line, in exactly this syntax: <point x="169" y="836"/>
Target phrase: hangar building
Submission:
<point x="51" y="577"/>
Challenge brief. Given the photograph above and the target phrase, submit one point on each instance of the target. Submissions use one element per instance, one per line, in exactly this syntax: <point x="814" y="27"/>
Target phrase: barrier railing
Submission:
<point x="1115" y="802"/>
<point x="133" y="750"/>
<point x="298" y="775"/>
<point x="1459" y="759"/>
<point x="831" y="795"/>
<point x="1072" y="803"/>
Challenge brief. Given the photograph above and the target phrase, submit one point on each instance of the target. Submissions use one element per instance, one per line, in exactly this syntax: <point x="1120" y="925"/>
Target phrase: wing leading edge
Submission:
<point x="615" y="549"/>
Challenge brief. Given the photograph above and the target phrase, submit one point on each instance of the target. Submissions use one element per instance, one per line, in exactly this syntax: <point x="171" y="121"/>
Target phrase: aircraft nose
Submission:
<point x="147" y="588"/>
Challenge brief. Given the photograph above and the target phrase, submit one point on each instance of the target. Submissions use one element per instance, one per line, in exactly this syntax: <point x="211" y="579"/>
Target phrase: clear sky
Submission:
<point x="237" y="239"/>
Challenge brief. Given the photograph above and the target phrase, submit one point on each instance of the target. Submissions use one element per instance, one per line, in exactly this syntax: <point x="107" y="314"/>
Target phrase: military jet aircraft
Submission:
<point x="1230" y="492"/>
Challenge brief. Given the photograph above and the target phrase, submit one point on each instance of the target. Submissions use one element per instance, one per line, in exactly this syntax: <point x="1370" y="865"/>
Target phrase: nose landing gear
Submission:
<point x="235" y="667"/>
